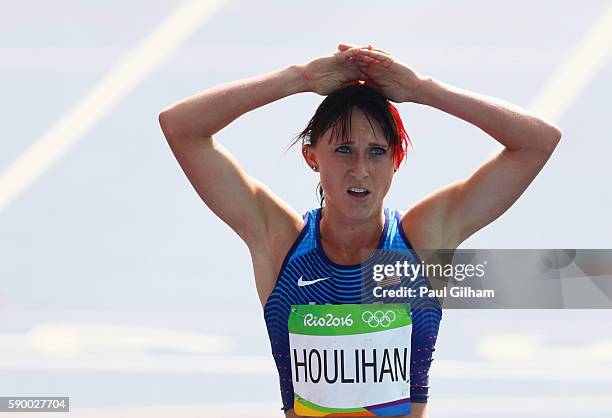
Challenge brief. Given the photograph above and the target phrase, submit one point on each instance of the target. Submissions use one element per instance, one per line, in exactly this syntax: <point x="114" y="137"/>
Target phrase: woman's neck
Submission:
<point x="344" y="239"/>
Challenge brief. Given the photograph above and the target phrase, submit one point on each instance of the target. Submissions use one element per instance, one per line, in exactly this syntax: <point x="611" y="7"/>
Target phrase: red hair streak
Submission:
<point x="403" y="138"/>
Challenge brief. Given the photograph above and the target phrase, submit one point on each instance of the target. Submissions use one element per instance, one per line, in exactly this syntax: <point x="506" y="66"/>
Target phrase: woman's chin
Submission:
<point x="361" y="210"/>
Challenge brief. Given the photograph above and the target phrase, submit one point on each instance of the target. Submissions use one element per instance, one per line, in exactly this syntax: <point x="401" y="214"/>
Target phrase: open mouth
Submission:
<point x="358" y="191"/>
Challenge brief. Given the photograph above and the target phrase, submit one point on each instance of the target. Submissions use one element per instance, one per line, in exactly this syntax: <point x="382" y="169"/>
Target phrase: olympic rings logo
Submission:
<point x="378" y="318"/>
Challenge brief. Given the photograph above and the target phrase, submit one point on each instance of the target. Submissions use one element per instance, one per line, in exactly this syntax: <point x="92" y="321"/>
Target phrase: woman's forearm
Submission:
<point x="208" y="112"/>
<point x="512" y="126"/>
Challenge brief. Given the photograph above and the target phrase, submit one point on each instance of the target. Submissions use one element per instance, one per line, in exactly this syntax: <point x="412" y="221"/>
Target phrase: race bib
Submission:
<point x="350" y="360"/>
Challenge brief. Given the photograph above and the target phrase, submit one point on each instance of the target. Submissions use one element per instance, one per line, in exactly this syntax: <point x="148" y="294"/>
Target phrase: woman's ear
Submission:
<point x="310" y="157"/>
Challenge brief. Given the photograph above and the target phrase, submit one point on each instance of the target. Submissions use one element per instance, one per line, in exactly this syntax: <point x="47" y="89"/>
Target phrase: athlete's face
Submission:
<point x="355" y="175"/>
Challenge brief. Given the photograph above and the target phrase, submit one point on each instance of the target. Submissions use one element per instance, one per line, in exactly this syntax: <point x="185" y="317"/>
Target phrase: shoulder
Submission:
<point x="424" y="227"/>
<point x="283" y="234"/>
<point x="268" y="253"/>
<point x="280" y="235"/>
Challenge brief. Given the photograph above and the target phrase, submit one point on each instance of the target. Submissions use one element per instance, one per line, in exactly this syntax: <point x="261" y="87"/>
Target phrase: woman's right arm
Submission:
<point x="242" y="202"/>
<point x="207" y="113"/>
<point x="239" y="200"/>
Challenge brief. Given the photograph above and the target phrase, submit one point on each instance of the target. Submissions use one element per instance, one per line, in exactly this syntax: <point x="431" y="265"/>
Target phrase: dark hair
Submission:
<point x="335" y="112"/>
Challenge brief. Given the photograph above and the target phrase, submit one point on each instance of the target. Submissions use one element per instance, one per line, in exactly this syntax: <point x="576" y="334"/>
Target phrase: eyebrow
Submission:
<point x="378" y="144"/>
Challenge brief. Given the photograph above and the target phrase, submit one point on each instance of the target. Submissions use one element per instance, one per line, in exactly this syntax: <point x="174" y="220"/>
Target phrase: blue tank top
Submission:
<point x="306" y="260"/>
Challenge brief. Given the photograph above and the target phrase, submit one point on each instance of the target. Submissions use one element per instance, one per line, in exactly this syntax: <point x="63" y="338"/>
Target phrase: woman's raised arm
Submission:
<point x="463" y="207"/>
<point x="206" y="113"/>
<point x="243" y="203"/>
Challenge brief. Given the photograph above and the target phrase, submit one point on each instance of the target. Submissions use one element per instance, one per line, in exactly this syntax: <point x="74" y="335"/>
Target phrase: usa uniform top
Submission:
<point x="306" y="262"/>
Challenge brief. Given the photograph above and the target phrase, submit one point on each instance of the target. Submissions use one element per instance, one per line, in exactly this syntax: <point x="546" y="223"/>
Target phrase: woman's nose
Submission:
<point x="359" y="167"/>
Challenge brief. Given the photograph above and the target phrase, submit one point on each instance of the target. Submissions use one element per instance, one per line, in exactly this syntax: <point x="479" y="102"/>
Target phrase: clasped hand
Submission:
<point x="363" y="65"/>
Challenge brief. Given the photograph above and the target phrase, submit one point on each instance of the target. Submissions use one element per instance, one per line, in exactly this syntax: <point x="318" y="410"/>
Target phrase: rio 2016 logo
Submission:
<point x="327" y="320"/>
<point x="378" y="318"/>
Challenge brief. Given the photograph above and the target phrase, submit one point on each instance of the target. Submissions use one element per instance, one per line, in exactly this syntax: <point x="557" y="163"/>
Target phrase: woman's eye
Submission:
<point x="378" y="151"/>
<point x="343" y="149"/>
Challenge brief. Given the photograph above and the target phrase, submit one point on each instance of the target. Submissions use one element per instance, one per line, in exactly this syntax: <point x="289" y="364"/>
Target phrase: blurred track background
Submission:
<point x="120" y="289"/>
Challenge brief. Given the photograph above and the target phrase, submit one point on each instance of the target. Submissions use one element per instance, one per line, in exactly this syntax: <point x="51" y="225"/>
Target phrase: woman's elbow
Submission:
<point x="556" y="134"/>
<point x="551" y="138"/>
<point x="168" y="124"/>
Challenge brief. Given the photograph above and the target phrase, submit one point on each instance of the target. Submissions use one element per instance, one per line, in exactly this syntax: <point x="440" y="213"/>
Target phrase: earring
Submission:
<point x="395" y="170"/>
<point x="314" y="167"/>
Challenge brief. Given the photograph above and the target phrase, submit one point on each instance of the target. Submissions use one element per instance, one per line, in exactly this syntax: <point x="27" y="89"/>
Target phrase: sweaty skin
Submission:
<point x="350" y="224"/>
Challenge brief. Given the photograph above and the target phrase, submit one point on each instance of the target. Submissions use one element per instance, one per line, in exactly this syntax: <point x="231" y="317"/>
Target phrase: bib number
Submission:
<point x="350" y="359"/>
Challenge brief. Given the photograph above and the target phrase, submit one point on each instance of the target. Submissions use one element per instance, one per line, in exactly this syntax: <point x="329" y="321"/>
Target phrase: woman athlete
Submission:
<point x="355" y="142"/>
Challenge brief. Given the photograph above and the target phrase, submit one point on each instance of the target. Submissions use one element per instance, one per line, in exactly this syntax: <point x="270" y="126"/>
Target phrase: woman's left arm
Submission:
<point x="466" y="206"/>
<point x="528" y="142"/>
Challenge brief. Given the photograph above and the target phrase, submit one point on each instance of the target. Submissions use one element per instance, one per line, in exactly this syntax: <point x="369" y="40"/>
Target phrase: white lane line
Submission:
<point x="72" y="339"/>
<point x="143" y="363"/>
<point x="527" y="347"/>
<point x="578" y="68"/>
<point x="572" y="370"/>
<point x="104" y="96"/>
